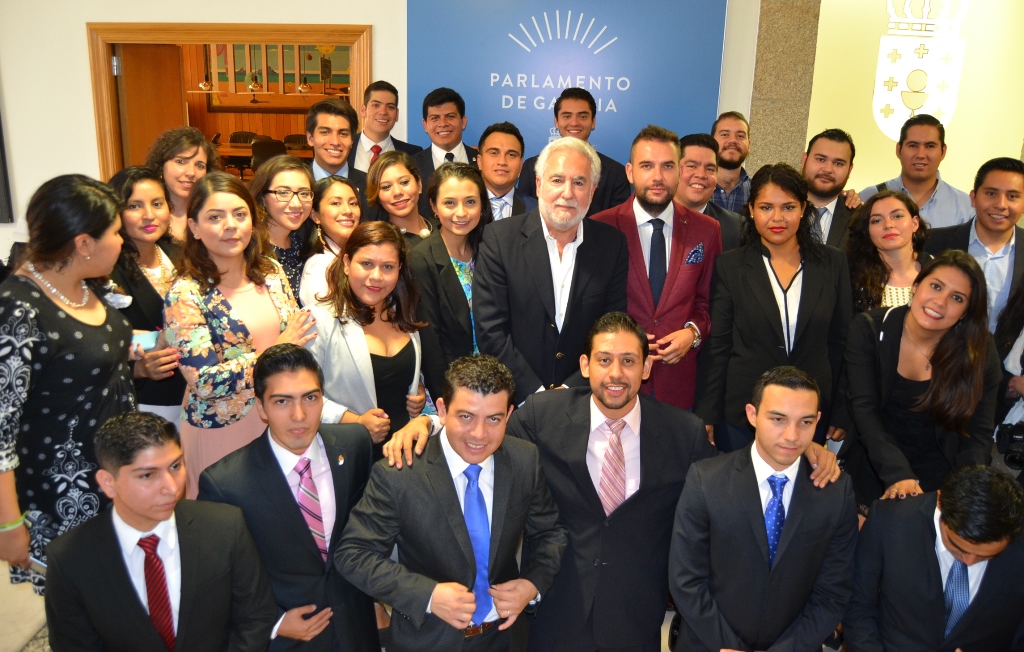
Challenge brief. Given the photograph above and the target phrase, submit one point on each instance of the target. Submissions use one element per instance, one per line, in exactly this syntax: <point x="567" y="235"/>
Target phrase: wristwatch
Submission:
<point x="696" y="334"/>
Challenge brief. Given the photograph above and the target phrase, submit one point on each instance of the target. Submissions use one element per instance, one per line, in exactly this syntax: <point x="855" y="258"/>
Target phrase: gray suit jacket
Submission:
<point x="418" y="508"/>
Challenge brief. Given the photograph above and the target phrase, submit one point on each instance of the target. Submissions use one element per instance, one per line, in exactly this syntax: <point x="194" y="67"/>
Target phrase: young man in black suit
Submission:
<point x="576" y="117"/>
<point x="379" y="113"/>
<point x="458" y="518"/>
<point x="266" y="479"/>
<point x="444" y="120"/>
<point x="500" y="161"/>
<point x="826" y="166"/>
<point x="760" y="559"/>
<point x="155" y="572"/>
<point x="698" y="178"/>
<point x="941" y="571"/>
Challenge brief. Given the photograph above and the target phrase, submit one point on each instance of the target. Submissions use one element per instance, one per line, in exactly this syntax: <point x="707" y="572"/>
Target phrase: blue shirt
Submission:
<point x="320" y="173"/>
<point x="998" y="268"/>
<point x="947" y="206"/>
<point x="739" y="197"/>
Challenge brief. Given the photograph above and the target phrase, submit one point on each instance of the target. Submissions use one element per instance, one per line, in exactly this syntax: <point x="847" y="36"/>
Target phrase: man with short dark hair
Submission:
<point x="942" y="571"/>
<point x="155" y="572"/>
<point x="500" y="161"/>
<point x="458" y="518"/>
<point x="698" y="179"/>
<point x="826" y="167"/>
<point x="576" y="117"/>
<point x="991" y="237"/>
<point x="330" y="125"/>
<point x="295" y="485"/>
<point x="444" y="120"/>
<point x="760" y="559"/>
<point x="732" y="132"/>
<point x="672" y="252"/>
<point x="921" y="148"/>
<point x="379" y="112"/>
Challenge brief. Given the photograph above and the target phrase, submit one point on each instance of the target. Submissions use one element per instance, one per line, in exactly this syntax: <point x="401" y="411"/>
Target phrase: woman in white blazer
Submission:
<point x="367" y="341"/>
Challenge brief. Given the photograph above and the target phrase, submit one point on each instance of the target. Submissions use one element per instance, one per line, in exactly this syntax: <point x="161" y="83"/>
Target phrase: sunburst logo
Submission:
<point x="568" y="33"/>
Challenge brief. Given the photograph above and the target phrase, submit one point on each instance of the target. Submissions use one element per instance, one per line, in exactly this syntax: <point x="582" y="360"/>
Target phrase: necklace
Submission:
<point x="424" y="232"/>
<point x="55" y="292"/>
<point x="160" y="276"/>
<point x="928" y="358"/>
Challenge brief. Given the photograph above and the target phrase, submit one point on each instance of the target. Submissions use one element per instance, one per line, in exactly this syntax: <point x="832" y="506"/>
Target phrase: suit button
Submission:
<point x="558" y="356"/>
<point x="607" y="523"/>
<point x="553" y="326"/>
<point x="655" y="322"/>
<point x="597" y="562"/>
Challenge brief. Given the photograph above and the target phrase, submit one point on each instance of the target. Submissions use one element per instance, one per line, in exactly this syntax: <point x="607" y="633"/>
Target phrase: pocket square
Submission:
<point x="696" y="255"/>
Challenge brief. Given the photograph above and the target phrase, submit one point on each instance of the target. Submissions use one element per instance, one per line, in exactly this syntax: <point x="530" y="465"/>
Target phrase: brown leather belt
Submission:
<point x="476" y="630"/>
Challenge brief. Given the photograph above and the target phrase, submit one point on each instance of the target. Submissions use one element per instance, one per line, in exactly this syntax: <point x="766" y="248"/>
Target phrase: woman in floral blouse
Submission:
<point x="229" y="303"/>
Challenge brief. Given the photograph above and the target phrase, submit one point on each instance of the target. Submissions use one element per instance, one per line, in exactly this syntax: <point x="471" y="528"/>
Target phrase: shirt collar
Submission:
<point x="459" y="151"/>
<point x="899" y="183"/>
<point x="762" y="470"/>
<point x="508" y="196"/>
<point x="456" y="464"/>
<point x="129" y="537"/>
<point x="288" y="459"/>
<point x="632" y="418"/>
<point x="830" y="207"/>
<point x="704" y="209"/>
<point x="320" y="173"/>
<point x="366" y="143"/>
<point x="642" y="217"/>
<point x="975" y="240"/>
<point x="578" y="240"/>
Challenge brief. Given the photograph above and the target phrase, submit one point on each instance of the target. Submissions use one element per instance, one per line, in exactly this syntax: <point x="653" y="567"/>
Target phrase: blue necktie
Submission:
<point x="475" y="512"/>
<point x="775" y="515"/>
<point x="658" y="268"/>
<point x="957" y="594"/>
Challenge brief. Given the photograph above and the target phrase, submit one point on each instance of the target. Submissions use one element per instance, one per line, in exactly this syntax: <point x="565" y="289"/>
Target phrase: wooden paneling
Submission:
<point x="150" y="95"/>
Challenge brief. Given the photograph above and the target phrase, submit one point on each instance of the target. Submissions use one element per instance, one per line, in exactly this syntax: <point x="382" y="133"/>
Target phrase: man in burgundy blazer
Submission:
<point x="679" y="318"/>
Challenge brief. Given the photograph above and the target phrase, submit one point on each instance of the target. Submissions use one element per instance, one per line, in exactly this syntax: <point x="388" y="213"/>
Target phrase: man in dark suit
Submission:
<point x="269" y="480"/>
<point x="500" y="161"/>
<point x="379" y="113"/>
<point x="668" y="294"/>
<point x="330" y="124"/>
<point x="698" y="178"/>
<point x="155" y="572"/>
<point x="759" y="559"/>
<point x="444" y="120"/>
<point x="575" y="117"/>
<point x="542" y="278"/>
<point x="827" y="165"/>
<point x="458" y="517"/>
<point x="991" y="237"/>
<point x="941" y="571"/>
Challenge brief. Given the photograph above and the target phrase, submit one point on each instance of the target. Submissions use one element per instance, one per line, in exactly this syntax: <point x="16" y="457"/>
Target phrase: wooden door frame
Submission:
<point x="102" y="36"/>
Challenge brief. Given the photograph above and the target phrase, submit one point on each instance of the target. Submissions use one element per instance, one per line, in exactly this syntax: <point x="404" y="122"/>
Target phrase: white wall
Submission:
<point x="45" y="86"/>
<point x="739" y="53"/>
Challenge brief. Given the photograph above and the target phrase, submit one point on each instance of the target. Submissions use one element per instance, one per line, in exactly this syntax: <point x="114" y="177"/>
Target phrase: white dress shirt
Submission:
<point x="135" y="559"/>
<point x="562" y="267"/>
<point x="506" y="209"/>
<point x="438" y="154"/>
<point x="597" y="445"/>
<point x="788" y="301"/>
<point x="762" y="470"/>
<point x="646" y="229"/>
<point x="363" y="153"/>
<point x="322" y="478"/>
<point x="974" y="572"/>
<point x="320" y="173"/>
<point x="825" y="214"/>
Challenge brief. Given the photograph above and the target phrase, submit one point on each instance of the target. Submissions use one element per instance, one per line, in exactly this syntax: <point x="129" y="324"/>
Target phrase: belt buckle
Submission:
<point x="476" y="630"/>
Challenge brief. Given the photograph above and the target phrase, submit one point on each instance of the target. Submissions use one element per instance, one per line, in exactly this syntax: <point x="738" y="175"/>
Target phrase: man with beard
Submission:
<point x="542" y="278"/>
<point x="827" y="165"/>
<point x="698" y="178"/>
<point x="732" y="132"/>
<point x="668" y="295"/>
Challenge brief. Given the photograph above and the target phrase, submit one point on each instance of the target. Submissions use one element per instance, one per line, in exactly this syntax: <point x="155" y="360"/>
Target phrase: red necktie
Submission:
<point x="376" y="152"/>
<point x="156" y="591"/>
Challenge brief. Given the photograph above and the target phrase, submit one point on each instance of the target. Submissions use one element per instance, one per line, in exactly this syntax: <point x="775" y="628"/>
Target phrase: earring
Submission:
<point x="88" y="257"/>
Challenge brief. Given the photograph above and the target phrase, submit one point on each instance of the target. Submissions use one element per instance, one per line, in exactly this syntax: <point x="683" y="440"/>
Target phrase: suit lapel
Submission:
<point x="518" y="207"/>
<point x="749" y="497"/>
<point x="499" y="502"/>
<point x="813" y="284"/>
<point x="799" y="504"/>
<point x="440" y="478"/>
<point x="452" y="294"/>
<point x="355" y="340"/>
<point x="582" y="272"/>
<point x="761" y="288"/>
<point x="680" y="247"/>
<point x="535" y="253"/>
<point x="110" y="560"/>
<point x="625" y="221"/>
<point x="575" y="443"/>
<point x="1018" y="259"/>
<point x="340" y="479"/>
<point x="189" y="546"/>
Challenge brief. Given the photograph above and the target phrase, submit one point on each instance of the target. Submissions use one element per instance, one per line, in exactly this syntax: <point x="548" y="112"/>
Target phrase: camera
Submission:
<point x="1010" y="442"/>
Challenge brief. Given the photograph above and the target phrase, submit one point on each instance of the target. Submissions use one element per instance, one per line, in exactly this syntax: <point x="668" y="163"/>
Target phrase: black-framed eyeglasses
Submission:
<point x="284" y="195"/>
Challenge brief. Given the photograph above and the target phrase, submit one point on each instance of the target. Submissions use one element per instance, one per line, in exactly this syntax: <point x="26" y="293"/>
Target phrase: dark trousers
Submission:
<point x="585" y="642"/>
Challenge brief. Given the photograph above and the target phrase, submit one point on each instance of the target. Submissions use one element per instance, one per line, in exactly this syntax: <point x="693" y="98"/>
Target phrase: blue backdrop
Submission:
<point x="649" y="62"/>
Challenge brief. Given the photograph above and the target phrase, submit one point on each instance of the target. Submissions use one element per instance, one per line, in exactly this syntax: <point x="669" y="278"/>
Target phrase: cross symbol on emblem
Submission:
<point x="886" y="110"/>
<point x="894" y="56"/>
<point x="920" y="51"/>
<point x="890" y="83"/>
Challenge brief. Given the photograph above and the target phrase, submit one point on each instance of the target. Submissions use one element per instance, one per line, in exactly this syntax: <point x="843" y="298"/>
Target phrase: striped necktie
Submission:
<point x="613" y="471"/>
<point x="157" y="598"/>
<point x="309" y="503"/>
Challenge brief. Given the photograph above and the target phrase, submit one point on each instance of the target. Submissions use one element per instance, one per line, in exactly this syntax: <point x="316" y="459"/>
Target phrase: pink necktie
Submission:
<point x="613" y="470"/>
<point x="309" y="503"/>
<point x="376" y="152"/>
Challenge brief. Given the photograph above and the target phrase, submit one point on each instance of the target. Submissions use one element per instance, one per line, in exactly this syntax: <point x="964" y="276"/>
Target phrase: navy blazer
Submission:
<point x="400" y="145"/>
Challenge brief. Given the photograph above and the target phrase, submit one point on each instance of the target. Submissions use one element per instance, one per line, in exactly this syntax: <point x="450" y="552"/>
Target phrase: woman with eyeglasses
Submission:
<point x="283" y="190"/>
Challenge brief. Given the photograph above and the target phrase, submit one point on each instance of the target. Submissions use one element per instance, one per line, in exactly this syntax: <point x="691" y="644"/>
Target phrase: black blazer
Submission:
<point x="522" y="203"/>
<point x="418" y="508"/>
<point x="146" y="313"/>
<point x="839" y="230"/>
<point x="251" y="479"/>
<point x="425" y="162"/>
<point x="747" y="335"/>
<point x="449" y="331"/>
<point x="731" y="223"/>
<point x="400" y="145"/>
<point x="721" y="582"/>
<point x="872" y="355"/>
<point x="897" y="602"/>
<point x="514" y="299"/>
<point x="612" y="189"/>
<point x="626" y="593"/>
<point x="226" y="603"/>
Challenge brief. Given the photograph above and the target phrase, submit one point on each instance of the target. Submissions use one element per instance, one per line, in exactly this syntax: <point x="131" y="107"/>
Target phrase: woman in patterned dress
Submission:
<point x="63" y="368"/>
<point x="443" y="267"/>
<point x="229" y="303"/>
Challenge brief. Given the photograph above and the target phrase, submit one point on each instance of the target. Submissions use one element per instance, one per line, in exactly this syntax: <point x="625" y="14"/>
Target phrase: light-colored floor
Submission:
<point x="21" y="613"/>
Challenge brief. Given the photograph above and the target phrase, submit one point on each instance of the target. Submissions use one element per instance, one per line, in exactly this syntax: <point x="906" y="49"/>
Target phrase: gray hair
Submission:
<point x="577" y="145"/>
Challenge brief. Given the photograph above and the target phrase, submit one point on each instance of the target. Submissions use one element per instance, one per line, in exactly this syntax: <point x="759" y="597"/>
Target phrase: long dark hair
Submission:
<point x="401" y="303"/>
<point x="463" y="172"/>
<point x="376" y="171"/>
<point x="320" y="190"/>
<point x="868" y="272"/>
<point x="791" y="182"/>
<point x="195" y="260"/>
<point x="62" y="209"/>
<point x="124" y="183"/>
<point x="958" y="362"/>
<point x="259" y="185"/>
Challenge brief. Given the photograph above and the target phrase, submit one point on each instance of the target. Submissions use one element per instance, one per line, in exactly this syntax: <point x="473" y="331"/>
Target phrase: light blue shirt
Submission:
<point x="998" y="269"/>
<point x="320" y="173"/>
<point x="947" y="206"/>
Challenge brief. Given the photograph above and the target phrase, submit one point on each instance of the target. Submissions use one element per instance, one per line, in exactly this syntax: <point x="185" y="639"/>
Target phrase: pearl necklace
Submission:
<point x="424" y="232"/>
<point x="55" y="292"/>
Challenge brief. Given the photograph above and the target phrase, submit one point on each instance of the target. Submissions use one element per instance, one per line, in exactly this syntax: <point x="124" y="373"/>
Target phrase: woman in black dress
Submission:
<point x="63" y="368"/>
<point x="393" y="187"/>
